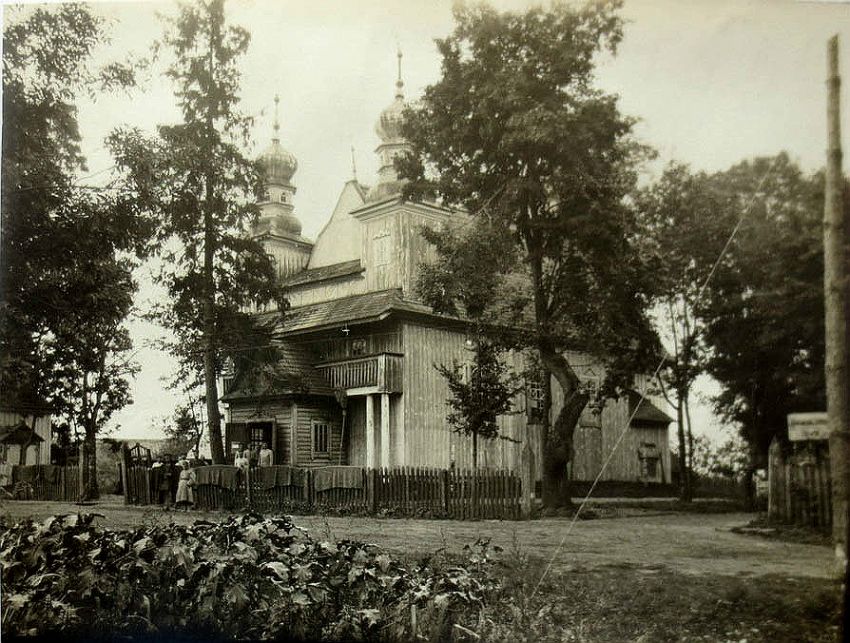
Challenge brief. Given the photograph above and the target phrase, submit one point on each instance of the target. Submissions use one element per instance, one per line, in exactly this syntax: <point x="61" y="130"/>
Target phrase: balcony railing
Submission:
<point x="383" y="371"/>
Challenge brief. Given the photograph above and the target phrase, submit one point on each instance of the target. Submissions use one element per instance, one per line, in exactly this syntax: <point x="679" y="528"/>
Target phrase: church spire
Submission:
<point x="276" y="201"/>
<point x="392" y="145"/>
<point x="276" y="125"/>
<point x="399" y="83"/>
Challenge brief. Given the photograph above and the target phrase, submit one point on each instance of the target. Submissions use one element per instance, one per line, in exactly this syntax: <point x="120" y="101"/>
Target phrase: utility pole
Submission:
<point x="835" y="233"/>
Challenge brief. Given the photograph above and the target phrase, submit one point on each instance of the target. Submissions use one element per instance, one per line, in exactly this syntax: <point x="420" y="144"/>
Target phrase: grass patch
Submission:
<point x="764" y="528"/>
<point x="628" y="603"/>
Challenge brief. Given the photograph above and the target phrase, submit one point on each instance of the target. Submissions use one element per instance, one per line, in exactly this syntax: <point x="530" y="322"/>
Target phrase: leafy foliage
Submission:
<point x="515" y="132"/>
<point x="246" y="577"/>
<point x="67" y="251"/>
<point x="727" y="459"/>
<point x="683" y="229"/>
<point x="764" y="310"/>
<point x="184" y="429"/>
<point x="476" y="402"/>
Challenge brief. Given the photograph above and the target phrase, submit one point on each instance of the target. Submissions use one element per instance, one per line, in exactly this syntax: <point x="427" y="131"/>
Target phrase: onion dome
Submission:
<point x="388" y="127"/>
<point x="280" y="165"/>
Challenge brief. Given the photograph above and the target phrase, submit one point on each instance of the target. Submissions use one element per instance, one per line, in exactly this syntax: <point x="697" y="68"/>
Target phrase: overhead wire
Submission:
<point x="658" y="368"/>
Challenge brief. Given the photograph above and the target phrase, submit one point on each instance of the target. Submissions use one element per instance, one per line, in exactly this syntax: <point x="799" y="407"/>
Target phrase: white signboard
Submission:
<point x="807" y="426"/>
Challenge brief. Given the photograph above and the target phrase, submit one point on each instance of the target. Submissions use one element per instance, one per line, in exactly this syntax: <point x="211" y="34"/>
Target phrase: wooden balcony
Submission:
<point x="382" y="371"/>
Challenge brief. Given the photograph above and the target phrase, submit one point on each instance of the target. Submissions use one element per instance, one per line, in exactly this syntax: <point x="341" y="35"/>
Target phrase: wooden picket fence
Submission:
<point x="44" y="482"/>
<point x="799" y="488"/>
<point x="399" y="491"/>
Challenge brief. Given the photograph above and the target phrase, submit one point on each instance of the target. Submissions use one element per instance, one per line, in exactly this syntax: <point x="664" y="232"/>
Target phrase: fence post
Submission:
<point x="81" y="470"/>
<point x="444" y="490"/>
<point x="248" y="485"/>
<point x="373" y="490"/>
<point x="122" y="467"/>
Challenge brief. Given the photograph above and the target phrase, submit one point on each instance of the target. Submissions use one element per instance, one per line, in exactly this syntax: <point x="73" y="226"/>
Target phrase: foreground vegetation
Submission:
<point x="254" y="577"/>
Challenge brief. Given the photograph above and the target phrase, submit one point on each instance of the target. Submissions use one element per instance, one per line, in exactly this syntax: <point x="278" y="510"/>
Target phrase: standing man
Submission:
<point x="266" y="458"/>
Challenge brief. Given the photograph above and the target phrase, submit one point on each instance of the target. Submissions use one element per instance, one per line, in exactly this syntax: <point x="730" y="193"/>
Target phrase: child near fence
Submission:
<point x="185" y="487"/>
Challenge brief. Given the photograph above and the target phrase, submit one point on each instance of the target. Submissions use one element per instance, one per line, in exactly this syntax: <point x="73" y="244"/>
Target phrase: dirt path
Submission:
<point x="686" y="543"/>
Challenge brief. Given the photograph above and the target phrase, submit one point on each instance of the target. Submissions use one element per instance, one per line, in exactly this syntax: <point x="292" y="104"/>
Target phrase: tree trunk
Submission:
<point x="210" y="384"/>
<point x="749" y="491"/>
<point x="475" y="449"/>
<point x="691" y="476"/>
<point x="684" y="473"/>
<point x="91" y="491"/>
<point x="558" y="441"/>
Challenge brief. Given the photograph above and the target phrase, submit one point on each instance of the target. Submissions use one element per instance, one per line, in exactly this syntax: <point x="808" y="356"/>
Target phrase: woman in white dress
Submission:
<point x="185" y="485"/>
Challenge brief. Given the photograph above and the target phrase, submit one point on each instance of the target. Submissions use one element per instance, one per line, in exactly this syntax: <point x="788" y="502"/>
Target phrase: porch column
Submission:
<point x="370" y="431"/>
<point x="385" y="429"/>
<point x="400" y="458"/>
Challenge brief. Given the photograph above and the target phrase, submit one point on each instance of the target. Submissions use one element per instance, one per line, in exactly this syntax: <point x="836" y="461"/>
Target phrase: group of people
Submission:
<point x="185" y="496"/>
<point x="262" y="457"/>
<point x="186" y="479"/>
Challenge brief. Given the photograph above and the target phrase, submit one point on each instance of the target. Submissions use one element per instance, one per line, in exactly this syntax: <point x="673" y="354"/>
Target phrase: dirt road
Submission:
<point x="681" y="542"/>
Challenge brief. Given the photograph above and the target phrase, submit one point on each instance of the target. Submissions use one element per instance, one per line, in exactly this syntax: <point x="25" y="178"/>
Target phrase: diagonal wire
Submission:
<point x="658" y="368"/>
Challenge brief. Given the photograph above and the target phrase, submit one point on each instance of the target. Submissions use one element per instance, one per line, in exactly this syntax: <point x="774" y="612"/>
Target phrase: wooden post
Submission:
<point x="81" y="469"/>
<point x="370" y="432"/>
<point x="835" y="233"/>
<point x="385" y="430"/>
<point x="776" y="486"/>
<point x="373" y="488"/>
<point x="444" y="491"/>
<point x="248" y="485"/>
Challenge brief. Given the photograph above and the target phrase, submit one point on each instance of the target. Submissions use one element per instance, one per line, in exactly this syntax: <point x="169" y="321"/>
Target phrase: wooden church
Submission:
<point x="357" y="383"/>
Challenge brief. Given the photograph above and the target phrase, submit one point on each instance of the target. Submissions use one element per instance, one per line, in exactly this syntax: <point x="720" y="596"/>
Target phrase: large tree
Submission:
<point x="763" y="309"/>
<point x="684" y="222"/>
<point x="67" y="250"/>
<point x="196" y="179"/>
<point x="516" y="132"/>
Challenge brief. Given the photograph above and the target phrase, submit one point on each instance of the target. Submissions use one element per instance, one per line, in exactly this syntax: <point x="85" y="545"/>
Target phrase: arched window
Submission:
<point x="284" y="198"/>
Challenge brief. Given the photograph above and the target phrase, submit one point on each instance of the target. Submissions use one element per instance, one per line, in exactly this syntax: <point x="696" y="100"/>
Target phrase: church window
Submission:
<point x="283" y="197"/>
<point x="267" y="195"/>
<point x="321" y="438"/>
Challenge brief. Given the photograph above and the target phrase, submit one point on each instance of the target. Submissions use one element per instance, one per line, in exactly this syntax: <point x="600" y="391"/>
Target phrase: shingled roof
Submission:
<point x="367" y="307"/>
<point x="647" y="412"/>
<point x="325" y="272"/>
<point x="292" y="374"/>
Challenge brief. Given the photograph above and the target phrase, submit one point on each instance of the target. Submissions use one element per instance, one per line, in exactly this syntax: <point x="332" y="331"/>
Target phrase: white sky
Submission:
<point x="713" y="82"/>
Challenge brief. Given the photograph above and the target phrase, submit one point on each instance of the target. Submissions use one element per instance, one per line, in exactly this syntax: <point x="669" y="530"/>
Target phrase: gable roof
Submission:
<point x="292" y="374"/>
<point x="359" y="309"/>
<point x="325" y="273"/>
<point x="647" y="412"/>
<point x="19" y="434"/>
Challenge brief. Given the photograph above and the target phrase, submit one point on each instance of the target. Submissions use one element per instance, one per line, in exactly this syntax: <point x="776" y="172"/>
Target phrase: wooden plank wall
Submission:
<point x="279" y="411"/>
<point x="429" y="441"/>
<point x="346" y="286"/>
<point x="596" y="436"/>
<point x="308" y="411"/>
